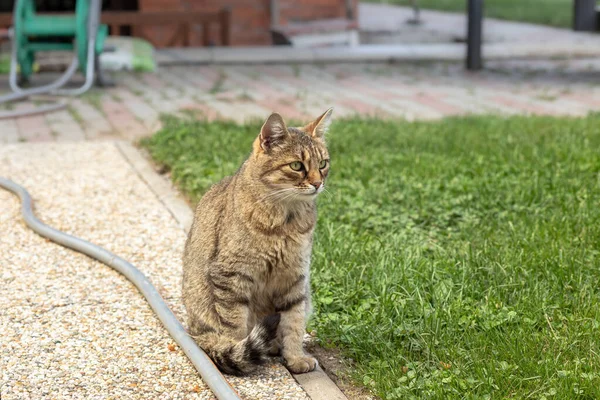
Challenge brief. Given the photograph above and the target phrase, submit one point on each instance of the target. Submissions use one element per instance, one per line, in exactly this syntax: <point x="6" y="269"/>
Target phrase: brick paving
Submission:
<point x="412" y="91"/>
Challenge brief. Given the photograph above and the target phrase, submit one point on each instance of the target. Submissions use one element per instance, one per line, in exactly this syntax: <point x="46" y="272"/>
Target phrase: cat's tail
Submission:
<point x="240" y="358"/>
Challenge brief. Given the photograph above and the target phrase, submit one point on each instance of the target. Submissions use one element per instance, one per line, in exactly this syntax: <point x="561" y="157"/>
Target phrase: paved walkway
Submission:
<point x="414" y="91"/>
<point x="73" y="328"/>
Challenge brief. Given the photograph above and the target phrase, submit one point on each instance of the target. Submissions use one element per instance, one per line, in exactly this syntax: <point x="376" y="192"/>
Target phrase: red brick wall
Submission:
<point x="250" y="19"/>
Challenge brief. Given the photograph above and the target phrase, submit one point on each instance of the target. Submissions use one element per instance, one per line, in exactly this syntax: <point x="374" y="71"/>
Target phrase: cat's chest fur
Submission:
<point x="283" y="246"/>
<point x="284" y="265"/>
<point x="284" y="249"/>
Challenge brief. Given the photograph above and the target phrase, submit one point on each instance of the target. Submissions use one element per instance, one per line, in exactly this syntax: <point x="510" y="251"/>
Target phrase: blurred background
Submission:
<point x="418" y="52"/>
<point x="264" y="22"/>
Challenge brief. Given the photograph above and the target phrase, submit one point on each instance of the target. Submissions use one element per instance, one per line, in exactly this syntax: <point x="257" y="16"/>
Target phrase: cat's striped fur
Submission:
<point x="247" y="258"/>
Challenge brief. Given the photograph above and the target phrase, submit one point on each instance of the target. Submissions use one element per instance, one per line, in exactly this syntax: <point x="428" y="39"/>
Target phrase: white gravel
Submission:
<point x="71" y="327"/>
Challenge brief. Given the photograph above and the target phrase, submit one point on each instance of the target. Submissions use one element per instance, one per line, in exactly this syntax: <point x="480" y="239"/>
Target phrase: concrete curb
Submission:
<point x="319" y="386"/>
<point x="316" y="384"/>
<point x="161" y="187"/>
<point x="373" y="53"/>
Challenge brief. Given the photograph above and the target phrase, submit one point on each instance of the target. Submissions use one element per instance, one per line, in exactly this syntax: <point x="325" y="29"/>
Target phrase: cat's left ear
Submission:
<point x="318" y="128"/>
<point x="272" y="133"/>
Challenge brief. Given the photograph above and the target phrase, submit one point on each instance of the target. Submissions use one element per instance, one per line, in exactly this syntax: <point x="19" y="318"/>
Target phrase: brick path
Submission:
<point x="413" y="91"/>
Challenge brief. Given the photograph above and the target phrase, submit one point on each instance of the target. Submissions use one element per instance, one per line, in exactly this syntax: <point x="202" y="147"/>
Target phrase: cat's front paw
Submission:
<point x="301" y="365"/>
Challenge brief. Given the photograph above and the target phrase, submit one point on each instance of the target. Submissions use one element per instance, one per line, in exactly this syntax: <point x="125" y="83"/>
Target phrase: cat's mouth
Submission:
<point x="309" y="192"/>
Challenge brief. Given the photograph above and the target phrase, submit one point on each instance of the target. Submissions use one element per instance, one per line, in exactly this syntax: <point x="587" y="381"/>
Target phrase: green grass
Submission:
<point x="547" y="12"/>
<point x="453" y="259"/>
<point x="4" y="63"/>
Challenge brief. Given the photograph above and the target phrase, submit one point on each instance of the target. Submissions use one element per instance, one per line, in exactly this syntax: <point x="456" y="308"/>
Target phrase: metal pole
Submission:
<point x="584" y="15"/>
<point x="350" y="9"/>
<point x="474" y="34"/>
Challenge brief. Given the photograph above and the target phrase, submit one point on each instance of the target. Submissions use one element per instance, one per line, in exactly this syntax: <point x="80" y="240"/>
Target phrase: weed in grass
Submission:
<point x="244" y="96"/>
<point x="94" y="98"/>
<point x="75" y="115"/>
<point x="9" y="106"/>
<point x="452" y="259"/>
<point x="297" y="70"/>
<point x="219" y="83"/>
<point x="546" y="97"/>
<point x="566" y="91"/>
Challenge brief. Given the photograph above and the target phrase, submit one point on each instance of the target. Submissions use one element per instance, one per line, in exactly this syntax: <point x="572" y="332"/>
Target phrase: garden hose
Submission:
<point x="204" y="365"/>
<point x="20" y="94"/>
<point x="54" y="87"/>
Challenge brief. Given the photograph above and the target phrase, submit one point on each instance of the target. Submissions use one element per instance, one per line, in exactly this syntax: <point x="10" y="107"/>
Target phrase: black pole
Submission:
<point x="584" y="15"/>
<point x="474" y="34"/>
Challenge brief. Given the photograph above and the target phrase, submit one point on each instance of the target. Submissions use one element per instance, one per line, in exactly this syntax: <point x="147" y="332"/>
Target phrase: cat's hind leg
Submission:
<point x="240" y="357"/>
<point x="224" y="331"/>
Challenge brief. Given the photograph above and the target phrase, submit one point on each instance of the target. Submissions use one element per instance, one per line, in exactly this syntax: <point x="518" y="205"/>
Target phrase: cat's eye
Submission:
<point x="297" y="166"/>
<point x="323" y="164"/>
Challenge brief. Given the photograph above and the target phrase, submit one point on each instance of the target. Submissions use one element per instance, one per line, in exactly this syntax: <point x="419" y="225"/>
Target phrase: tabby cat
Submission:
<point x="247" y="257"/>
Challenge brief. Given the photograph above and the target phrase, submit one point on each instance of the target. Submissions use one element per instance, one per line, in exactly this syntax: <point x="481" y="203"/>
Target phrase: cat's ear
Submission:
<point x="273" y="132"/>
<point x="318" y="128"/>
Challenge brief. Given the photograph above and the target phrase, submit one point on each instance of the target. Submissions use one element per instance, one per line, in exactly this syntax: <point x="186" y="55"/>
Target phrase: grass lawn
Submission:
<point x="453" y="259"/>
<point x="547" y="12"/>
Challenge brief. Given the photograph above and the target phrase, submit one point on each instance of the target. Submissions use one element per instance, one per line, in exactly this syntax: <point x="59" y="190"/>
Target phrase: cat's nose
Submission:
<point x="317" y="184"/>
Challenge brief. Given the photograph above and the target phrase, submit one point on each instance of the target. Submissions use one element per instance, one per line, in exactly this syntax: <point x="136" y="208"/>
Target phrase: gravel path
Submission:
<point x="71" y="327"/>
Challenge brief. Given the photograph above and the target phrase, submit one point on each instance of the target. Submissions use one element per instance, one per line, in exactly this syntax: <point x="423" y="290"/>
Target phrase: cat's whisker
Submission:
<point x="289" y="195"/>
<point x="274" y="195"/>
<point x="281" y="192"/>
